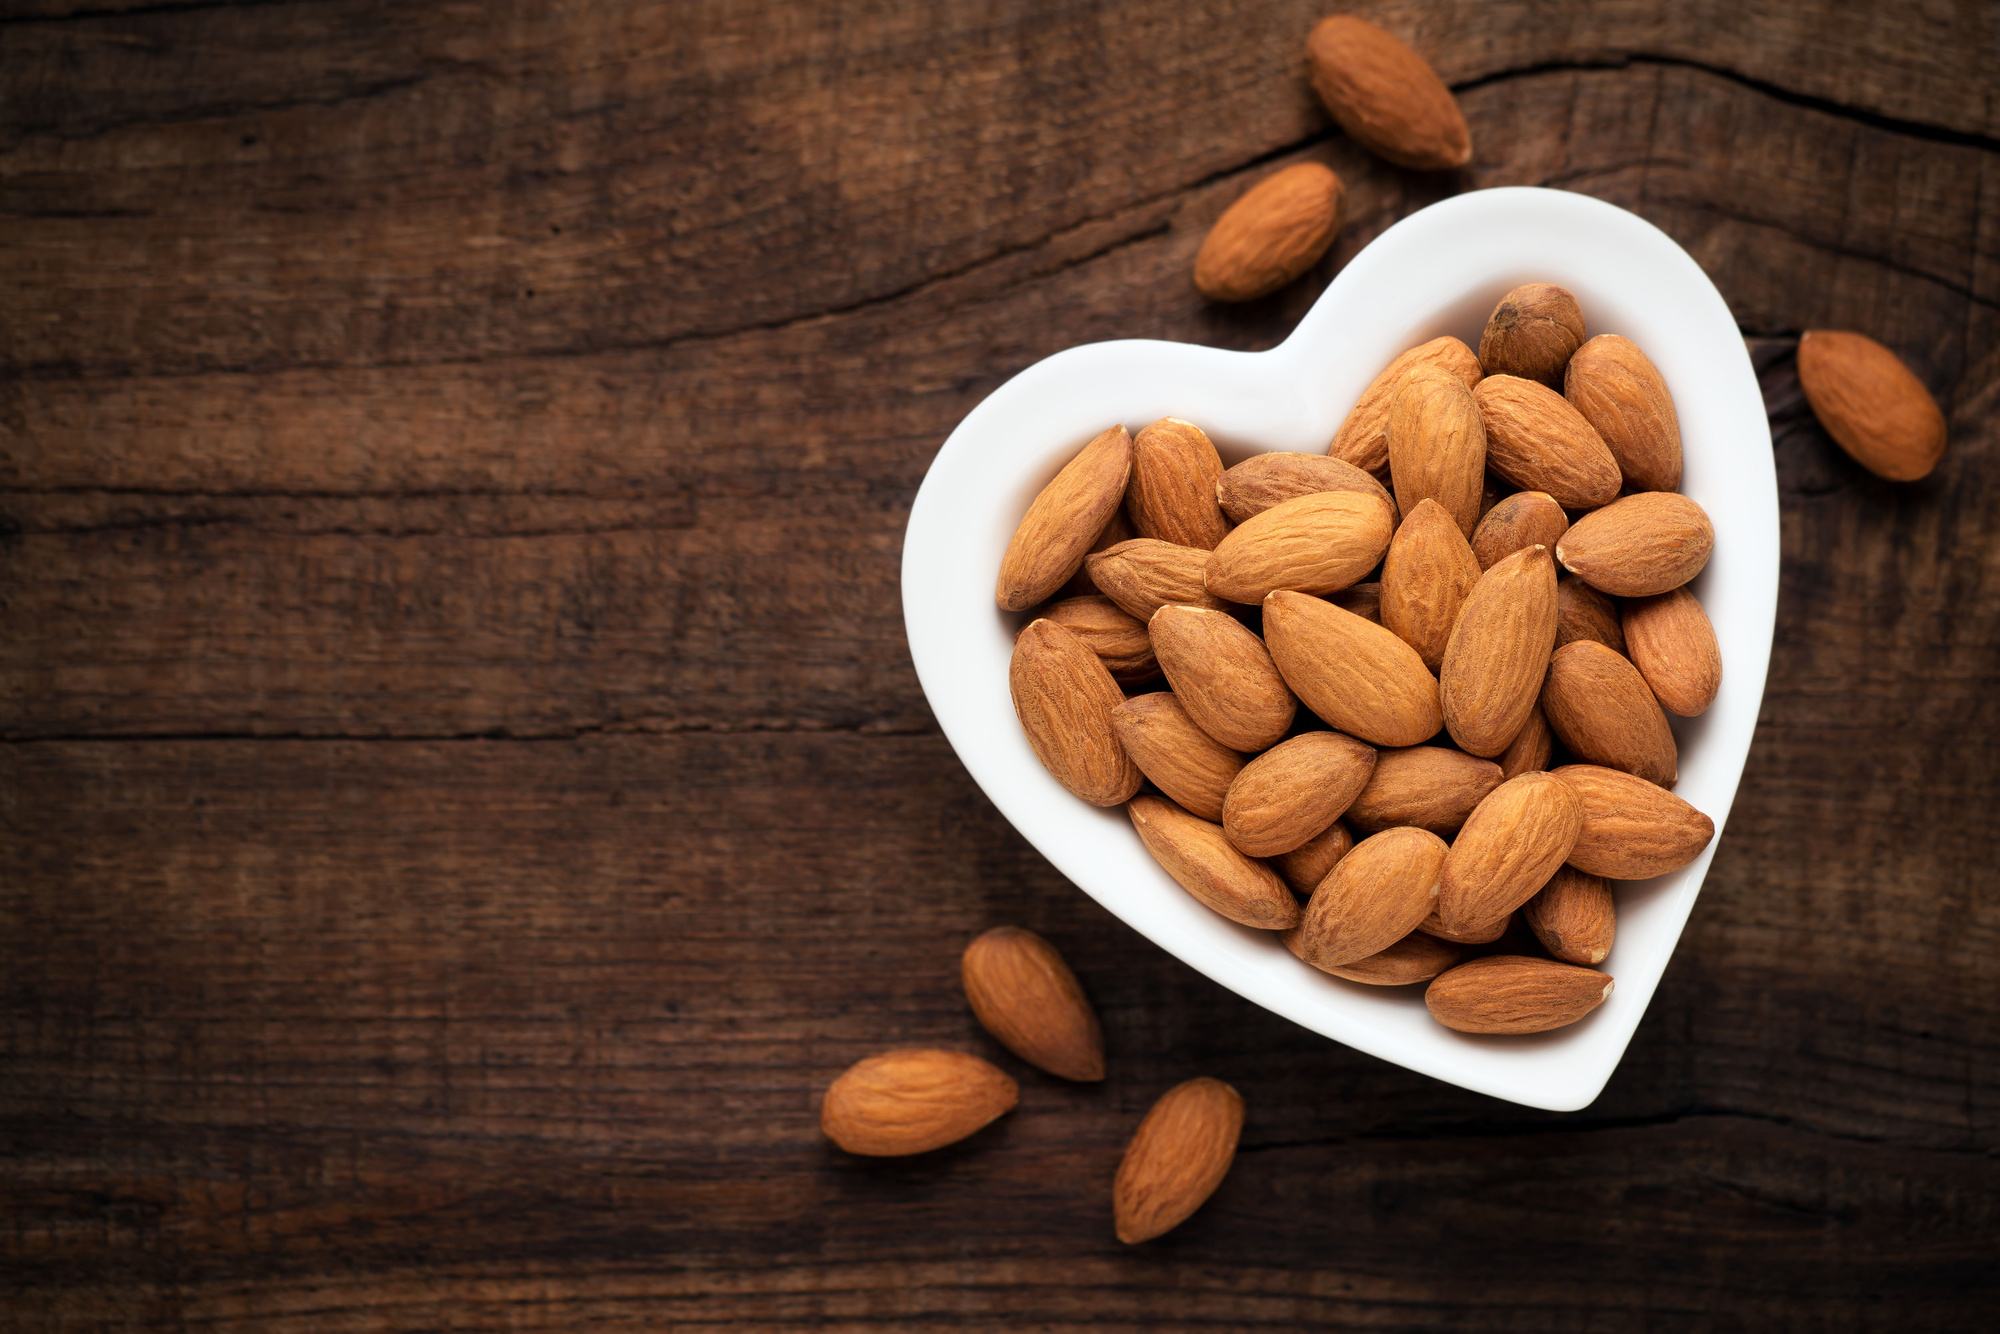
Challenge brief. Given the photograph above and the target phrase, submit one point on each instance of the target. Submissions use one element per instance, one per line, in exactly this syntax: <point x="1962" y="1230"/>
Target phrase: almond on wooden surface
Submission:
<point x="1030" y="1001"/>
<point x="1275" y="232"/>
<point x="913" y="1100"/>
<point x="1179" y="1155"/>
<point x="1386" y="96"/>
<point x="1871" y="404"/>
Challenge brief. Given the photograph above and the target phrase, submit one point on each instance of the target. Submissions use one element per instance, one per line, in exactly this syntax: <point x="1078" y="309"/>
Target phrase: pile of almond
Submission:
<point x="1371" y="657"/>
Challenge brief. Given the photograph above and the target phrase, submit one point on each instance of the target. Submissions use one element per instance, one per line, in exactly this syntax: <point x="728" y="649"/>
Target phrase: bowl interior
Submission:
<point x="1440" y="271"/>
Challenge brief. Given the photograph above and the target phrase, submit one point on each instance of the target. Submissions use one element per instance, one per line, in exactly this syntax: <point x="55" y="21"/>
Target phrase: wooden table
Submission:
<point x="466" y="792"/>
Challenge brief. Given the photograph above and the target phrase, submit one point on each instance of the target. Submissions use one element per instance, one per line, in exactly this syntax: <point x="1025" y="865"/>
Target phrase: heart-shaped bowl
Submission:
<point x="1439" y="271"/>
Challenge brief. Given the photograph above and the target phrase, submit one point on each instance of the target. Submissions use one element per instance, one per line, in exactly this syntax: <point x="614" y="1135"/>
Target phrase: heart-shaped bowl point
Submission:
<point x="1439" y="271"/>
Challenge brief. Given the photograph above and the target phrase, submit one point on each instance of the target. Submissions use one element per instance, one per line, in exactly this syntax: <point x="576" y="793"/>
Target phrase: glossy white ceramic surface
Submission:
<point x="1438" y="271"/>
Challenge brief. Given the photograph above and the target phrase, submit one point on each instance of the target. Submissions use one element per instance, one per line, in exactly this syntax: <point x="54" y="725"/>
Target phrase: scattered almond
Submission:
<point x="1292" y="792"/>
<point x="1144" y="575"/>
<point x="1871" y="404"/>
<point x="1510" y="846"/>
<point x="1437" y="445"/>
<point x="1532" y="333"/>
<point x="1632" y="829"/>
<point x="1619" y="392"/>
<point x="1573" y="916"/>
<point x="1313" y="544"/>
<point x="1672" y="643"/>
<point x="1376" y="896"/>
<point x="1425" y="579"/>
<point x="1171" y="494"/>
<point x="1202" y="860"/>
<point x="1537" y="441"/>
<point x="1429" y="787"/>
<point x="1584" y="613"/>
<point x="1308" y="864"/>
<point x="1354" y="674"/>
<point x="1181" y="1153"/>
<point x="1119" y="640"/>
<point x="1386" y="96"/>
<point x="1512" y="994"/>
<point x="1275" y="232"/>
<point x="913" y="1100"/>
<point x="1515" y="523"/>
<point x="1603" y="712"/>
<point x="1049" y="545"/>
<point x="1064" y="698"/>
<point x="1030" y="1001"/>
<point x="1183" y="761"/>
<point x="1499" y="651"/>
<point x="1264" y="480"/>
<point x="1223" y="676"/>
<point x="1643" y="544"/>
<point x="1363" y="437"/>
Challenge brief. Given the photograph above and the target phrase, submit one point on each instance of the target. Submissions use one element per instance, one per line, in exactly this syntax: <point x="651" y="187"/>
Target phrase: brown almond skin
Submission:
<point x="1202" y="860"/>
<point x="1294" y="791"/>
<point x="1376" y="896"/>
<point x="1145" y="574"/>
<point x="1386" y="96"/>
<point x="1537" y="441"/>
<point x="1118" y="528"/>
<point x="1620" y="393"/>
<point x="1119" y="640"/>
<point x="1362" y="439"/>
<point x="1639" y="545"/>
<point x="1507" y="851"/>
<point x="1415" y="958"/>
<point x="1029" y="1000"/>
<point x="1425" y="579"/>
<point x="1437" y="445"/>
<point x="1275" y="232"/>
<point x="1223" y="676"/>
<point x="1306" y="865"/>
<point x="1515" y="523"/>
<point x="1529" y="751"/>
<point x="1313" y="544"/>
<point x="1064" y="698"/>
<point x="1574" y="916"/>
<point x="1429" y="787"/>
<point x="1354" y="674"/>
<point x="1672" y="642"/>
<point x="1483" y="934"/>
<point x="913" y="1100"/>
<point x="1603" y="712"/>
<point x="1632" y="829"/>
<point x="1871" y="404"/>
<point x="1364" y="600"/>
<point x="1533" y="332"/>
<point x="1264" y="480"/>
<point x="1498" y="652"/>
<point x="1171" y="494"/>
<point x="1181" y="1153"/>
<point x="1584" y="613"/>
<point x="1506" y="993"/>
<point x="1061" y="523"/>
<point x="1183" y="761"/>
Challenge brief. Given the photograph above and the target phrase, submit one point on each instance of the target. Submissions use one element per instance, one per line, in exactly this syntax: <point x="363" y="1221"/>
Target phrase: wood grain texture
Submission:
<point x="462" y="784"/>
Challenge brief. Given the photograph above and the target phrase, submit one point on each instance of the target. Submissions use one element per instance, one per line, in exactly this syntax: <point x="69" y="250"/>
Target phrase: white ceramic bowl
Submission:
<point x="1439" y="271"/>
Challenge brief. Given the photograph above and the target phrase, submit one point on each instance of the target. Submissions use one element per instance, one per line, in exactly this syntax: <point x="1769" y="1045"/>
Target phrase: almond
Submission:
<point x="1573" y="916"/>
<point x="1294" y="791"/>
<point x="1537" y="441"/>
<point x="1483" y="934"/>
<point x="1264" y="480"/>
<point x="1499" y="651"/>
<point x="1171" y="495"/>
<point x="1223" y="676"/>
<point x="1376" y="896"/>
<point x="1308" y="864"/>
<point x="1119" y="640"/>
<point x="1643" y="544"/>
<point x="1354" y="674"/>
<point x="1275" y="232"/>
<point x="1202" y="860"/>
<point x="1064" y="698"/>
<point x="1871" y="404"/>
<point x="1603" y="712"/>
<point x="1030" y="1001"/>
<point x="1062" y="521"/>
<point x="1363" y="437"/>
<point x="1425" y="579"/>
<point x="913" y="1100"/>
<point x="1364" y="600"/>
<point x="1183" y="761"/>
<point x="1632" y="829"/>
<point x="1180" y="1154"/>
<point x="1144" y="575"/>
<point x="1312" y="544"/>
<point x="1584" y="613"/>
<point x="1427" y="786"/>
<point x="1415" y="958"/>
<point x="1437" y="445"/>
<point x="1672" y="643"/>
<point x="1386" y="96"/>
<point x="1619" y="392"/>
<point x="1515" y="523"/>
<point x="1527" y="753"/>
<point x="1510" y="846"/>
<point x="1505" y="993"/>
<point x="1532" y="333"/>
<point x="1118" y="528"/>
